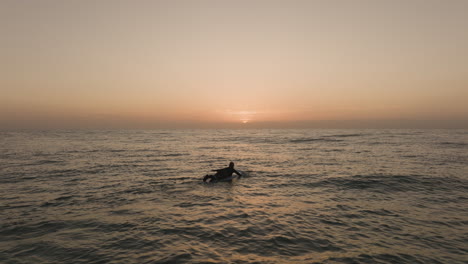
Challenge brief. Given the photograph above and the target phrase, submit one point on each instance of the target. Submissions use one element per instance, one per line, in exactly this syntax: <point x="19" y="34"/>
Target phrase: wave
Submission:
<point x="326" y="138"/>
<point x="301" y="140"/>
<point x="44" y="162"/>
<point x="394" y="183"/>
<point x="175" y="154"/>
<point x="454" y="144"/>
<point x="345" y="135"/>
<point x="385" y="258"/>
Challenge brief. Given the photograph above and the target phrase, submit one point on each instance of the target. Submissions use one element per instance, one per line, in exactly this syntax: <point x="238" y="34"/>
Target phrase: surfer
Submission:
<point x="222" y="173"/>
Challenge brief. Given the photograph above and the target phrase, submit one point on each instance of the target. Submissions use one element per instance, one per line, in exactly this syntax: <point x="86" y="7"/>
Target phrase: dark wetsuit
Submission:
<point x="222" y="174"/>
<point x="225" y="173"/>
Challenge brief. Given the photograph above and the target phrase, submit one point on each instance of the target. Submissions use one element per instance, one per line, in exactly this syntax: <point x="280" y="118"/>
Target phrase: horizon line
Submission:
<point x="190" y="124"/>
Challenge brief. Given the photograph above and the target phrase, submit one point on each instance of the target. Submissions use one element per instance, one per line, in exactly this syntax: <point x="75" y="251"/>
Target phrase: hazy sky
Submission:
<point x="190" y="63"/>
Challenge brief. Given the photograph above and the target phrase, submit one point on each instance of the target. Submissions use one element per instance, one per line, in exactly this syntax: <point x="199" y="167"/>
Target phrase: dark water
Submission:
<point x="311" y="196"/>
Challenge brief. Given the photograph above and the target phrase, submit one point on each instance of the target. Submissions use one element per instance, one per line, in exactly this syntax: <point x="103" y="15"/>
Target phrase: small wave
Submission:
<point x="175" y="154"/>
<point x="345" y="135"/>
<point x="64" y="172"/>
<point x="176" y="258"/>
<point x="301" y="140"/>
<point x="333" y="150"/>
<point x="141" y="190"/>
<point x="288" y="246"/>
<point x="124" y="212"/>
<point x="33" y="230"/>
<point x="385" y="258"/>
<point x="193" y="204"/>
<point x="43" y="162"/>
<point x="145" y="150"/>
<point x="80" y="151"/>
<point x="48" y="204"/>
<point x="116" y="150"/>
<point x="66" y="197"/>
<point x="410" y="156"/>
<point x="326" y="138"/>
<point x="332" y="222"/>
<point x="392" y="183"/>
<point x="454" y="144"/>
<point x="206" y="147"/>
<point x="381" y="212"/>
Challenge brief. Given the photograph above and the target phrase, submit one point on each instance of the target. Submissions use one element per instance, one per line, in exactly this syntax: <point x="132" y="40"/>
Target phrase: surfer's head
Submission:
<point x="231" y="164"/>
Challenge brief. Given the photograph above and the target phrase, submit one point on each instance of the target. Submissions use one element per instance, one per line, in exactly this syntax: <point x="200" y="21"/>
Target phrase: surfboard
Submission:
<point x="233" y="177"/>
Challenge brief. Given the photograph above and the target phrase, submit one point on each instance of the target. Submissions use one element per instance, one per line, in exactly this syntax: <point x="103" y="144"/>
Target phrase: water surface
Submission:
<point x="311" y="196"/>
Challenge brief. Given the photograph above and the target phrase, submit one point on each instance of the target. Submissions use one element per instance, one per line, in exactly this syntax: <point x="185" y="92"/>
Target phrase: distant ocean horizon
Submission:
<point x="120" y="123"/>
<point x="309" y="196"/>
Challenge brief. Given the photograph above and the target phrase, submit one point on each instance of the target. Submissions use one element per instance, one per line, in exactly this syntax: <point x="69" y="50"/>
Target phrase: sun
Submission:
<point x="242" y="116"/>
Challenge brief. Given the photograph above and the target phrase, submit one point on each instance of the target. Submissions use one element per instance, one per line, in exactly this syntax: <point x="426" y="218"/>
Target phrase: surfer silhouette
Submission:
<point x="222" y="173"/>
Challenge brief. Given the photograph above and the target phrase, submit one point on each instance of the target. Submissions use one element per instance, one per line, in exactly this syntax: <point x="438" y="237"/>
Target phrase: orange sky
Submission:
<point x="148" y="64"/>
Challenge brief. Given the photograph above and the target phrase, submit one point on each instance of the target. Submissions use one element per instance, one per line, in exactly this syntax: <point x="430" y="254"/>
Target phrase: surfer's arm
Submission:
<point x="236" y="172"/>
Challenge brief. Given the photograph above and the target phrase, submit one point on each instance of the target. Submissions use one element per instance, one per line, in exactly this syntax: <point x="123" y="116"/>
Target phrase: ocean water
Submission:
<point x="310" y="196"/>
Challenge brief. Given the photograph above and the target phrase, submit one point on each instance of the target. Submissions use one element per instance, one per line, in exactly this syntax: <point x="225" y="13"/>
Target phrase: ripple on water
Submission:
<point x="311" y="196"/>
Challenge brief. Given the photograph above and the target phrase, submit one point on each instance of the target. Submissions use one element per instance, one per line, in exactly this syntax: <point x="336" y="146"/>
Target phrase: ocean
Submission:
<point x="309" y="196"/>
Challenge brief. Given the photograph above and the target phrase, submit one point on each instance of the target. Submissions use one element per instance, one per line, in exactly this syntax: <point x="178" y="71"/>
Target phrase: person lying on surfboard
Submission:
<point x="222" y="173"/>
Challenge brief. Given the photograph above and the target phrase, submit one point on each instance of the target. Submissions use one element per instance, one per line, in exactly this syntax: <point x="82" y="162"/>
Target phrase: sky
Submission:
<point x="243" y="63"/>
